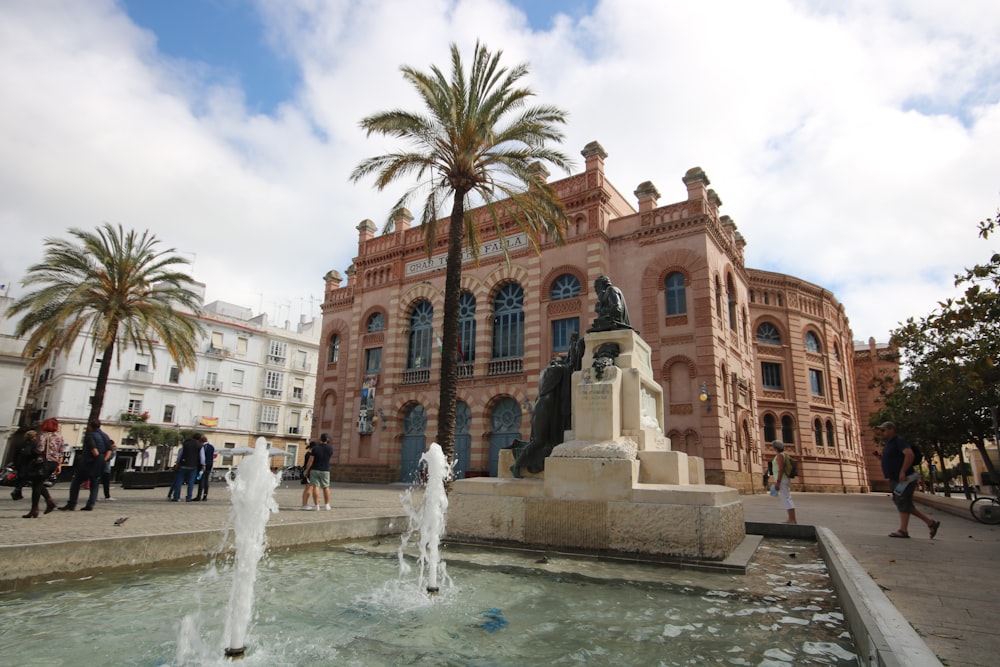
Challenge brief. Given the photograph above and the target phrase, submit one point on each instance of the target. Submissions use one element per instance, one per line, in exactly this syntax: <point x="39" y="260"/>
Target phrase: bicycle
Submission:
<point x="987" y="509"/>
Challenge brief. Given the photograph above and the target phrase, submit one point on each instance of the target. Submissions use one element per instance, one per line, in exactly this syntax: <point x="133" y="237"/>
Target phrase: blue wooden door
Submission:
<point x="505" y="426"/>
<point x="463" y="439"/>
<point x="414" y="442"/>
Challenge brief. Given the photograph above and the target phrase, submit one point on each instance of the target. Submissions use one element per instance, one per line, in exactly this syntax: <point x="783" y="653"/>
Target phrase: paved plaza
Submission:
<point x="947" y="588"/>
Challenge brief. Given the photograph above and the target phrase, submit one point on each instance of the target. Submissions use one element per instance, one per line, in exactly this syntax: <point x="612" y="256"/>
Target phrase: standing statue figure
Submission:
<point x="612" y="313"/>
<point x="552" y="414"/>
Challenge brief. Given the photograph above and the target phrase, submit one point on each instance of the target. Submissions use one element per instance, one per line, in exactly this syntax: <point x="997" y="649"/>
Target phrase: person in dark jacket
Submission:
<point x="88" y="466"/>
<point x="190" y="459"/>
<point x="209" y="455"/>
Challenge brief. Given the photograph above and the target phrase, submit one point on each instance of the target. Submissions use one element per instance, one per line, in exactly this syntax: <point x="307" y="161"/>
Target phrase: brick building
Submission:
<point x="710" y="321"/>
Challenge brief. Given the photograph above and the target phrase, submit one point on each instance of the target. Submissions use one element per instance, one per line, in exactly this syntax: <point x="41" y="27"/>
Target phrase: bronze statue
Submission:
<point x="612" y="313"/>
<point x="552" y="414"/>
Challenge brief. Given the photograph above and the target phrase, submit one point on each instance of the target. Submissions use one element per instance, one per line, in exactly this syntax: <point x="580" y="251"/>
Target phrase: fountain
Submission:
<point x="252" y="495"/>
<point x="428" y="518"/>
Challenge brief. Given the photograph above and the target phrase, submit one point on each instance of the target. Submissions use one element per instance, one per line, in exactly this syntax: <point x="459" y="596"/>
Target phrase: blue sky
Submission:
<point x="853" y="143"/>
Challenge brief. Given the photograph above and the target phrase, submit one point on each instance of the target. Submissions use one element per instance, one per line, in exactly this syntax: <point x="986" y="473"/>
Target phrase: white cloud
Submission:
<point x="853" y="145"/>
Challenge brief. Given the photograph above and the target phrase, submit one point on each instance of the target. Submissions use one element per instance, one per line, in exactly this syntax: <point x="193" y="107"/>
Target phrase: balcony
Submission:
<point x="273" y="394"/>
<point x="218" y="351"/>
<point x="275" y="360"/>
<point x="303" y="366"/>
<point x="294" y="430"/>
<point x="267" y="428"/>
<point x="416" y="376"/>
<point x="464" y="371"/>
<point x="511" y="366"/>
<point x="208" y="385"/>
<point x="139" y="376"/>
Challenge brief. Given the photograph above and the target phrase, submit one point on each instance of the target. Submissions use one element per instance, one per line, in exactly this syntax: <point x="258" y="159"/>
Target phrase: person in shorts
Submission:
<point x="897" y="466"/>
<point x="318" y="471"/>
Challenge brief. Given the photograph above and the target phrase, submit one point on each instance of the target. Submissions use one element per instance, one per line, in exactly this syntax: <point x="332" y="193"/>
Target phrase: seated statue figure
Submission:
<point x="551" y="415"/>
<point x="612" y="313"/>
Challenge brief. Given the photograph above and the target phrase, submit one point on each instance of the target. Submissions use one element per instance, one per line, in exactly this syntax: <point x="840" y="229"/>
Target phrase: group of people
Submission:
<point x="898" y="467"/>
<point x="195" y="460"/>
<point x="316" y="473"/>
<point x="41" y="456"/>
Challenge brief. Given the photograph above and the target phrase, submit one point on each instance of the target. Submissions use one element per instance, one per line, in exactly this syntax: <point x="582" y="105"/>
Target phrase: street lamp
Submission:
<point x="705" y="397"/>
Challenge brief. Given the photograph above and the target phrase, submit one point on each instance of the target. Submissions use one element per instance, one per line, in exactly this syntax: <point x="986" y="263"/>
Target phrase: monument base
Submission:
<point x="599" y="505"/>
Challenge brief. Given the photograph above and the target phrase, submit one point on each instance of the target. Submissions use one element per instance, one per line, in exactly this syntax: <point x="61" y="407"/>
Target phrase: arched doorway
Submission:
<point x="463" y="440"/>
<point x="414" y="442"/>
<point x="505" y="426"/>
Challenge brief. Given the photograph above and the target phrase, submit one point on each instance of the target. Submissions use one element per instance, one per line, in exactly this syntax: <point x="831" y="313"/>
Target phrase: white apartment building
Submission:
<point x="251" y="379"/>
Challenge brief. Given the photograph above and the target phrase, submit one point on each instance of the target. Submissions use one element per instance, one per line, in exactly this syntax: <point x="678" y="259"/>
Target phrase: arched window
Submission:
<point x="565" y="286"/>
<point x="376" y="323"/>
<point x="333" y="351"/>
<point x="676" y="296"/>
<point x="768" y="334"/>
<point x="787" y="430"/>
<point x="731" y="301"/>
<point x="829" y="434"/>
<point x="467" y="327"/>
<point x="418" y="353"/>
<point x="718" y="298"/>
<point x="836" y="351"/>
<point x="818" y="432"/>
<point x="508" y="322"/>
<point x="812" y="342"/>
<point x="770" y="435"/>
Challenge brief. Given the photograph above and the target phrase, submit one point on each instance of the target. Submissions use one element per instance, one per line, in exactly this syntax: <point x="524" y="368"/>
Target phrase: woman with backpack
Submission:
<point x="783" y="468"/>
<point x="47" y="460"/>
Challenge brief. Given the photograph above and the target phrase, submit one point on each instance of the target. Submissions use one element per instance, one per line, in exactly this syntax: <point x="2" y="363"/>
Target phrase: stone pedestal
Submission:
<point x="614" y="484"/>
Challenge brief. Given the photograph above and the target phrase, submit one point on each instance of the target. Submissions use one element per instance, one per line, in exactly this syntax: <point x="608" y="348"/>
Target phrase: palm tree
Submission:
<point x="477" y="138"/>
<point x="116" y="288"/>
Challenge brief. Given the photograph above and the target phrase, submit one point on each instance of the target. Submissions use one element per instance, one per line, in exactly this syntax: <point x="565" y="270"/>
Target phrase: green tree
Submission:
<point x="116" y="288"/>
<point x="477" y="141"/>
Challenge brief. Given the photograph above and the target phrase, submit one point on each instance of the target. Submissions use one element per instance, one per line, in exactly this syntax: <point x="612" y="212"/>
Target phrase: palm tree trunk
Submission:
<point x="102" y="381"/>
<point x="449" y="334"/>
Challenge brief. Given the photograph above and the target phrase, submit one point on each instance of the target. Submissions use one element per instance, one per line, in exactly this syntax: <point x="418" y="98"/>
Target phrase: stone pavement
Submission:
<point x="947" y="588"/>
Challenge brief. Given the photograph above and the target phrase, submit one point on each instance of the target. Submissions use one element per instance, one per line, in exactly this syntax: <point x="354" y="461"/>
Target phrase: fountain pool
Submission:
<point x="346" y="604"/>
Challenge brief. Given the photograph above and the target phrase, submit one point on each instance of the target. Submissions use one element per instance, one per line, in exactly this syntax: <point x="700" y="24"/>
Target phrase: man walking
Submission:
<point x="897" y="466"/>
<point x="89" y="467"/>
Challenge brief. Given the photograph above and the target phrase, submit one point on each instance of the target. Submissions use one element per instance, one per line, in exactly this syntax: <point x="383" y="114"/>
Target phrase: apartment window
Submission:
<point x="770" y="433"/>
<point x="217" y="340"/>
<point x="376" y="323"/>
<point x="812" y="342"/>
<point x="508" y="322"/>
<point x="816" y="382"/>
<point x="829" y="434"/>
<point x="208" y="408"/>
<point x="818" y="432"/>
<point x="142" y="363"/>
<point x="768" y="334"/>
<point x="269" y="414"/>
<point x="676" y="296"/>
<point x="418" y="353"/>
<point x="277" y="351"/>
<point x="233" y="414"/>
<point x="565" y="286"/>
<point x="211" y="379"/>
<point x="770" y="374"/>
<point x="237" y="377"/>
<point x="274" y="382"/>
<point x="373" y="360"/>
<point x="298" y="390"/>
<point x="840" y="389"/>
<point x="135" y="405"/>
<point x="241" y="346"/>
<point x="333" y="350"/>
<point x="175" y="375"/>
<point x="168" y="414"/>
<point x="562" y="333"/>
<point x="467" y="327"/>
<point x="787" y="430"/>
